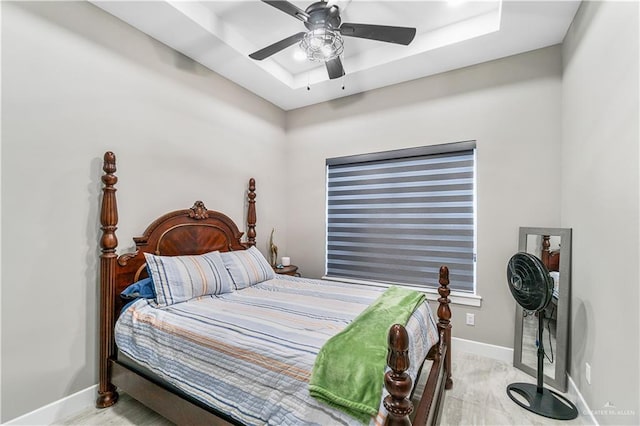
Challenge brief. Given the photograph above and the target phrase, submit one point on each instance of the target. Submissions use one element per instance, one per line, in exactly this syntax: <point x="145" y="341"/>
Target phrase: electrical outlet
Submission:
<point x="587" y="372"/>
<point x="471" y="319"/>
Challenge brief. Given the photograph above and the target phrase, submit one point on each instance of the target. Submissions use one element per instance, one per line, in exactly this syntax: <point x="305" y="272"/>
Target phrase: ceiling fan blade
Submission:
<point x="334" y="68"/>
<point x="276" y="47"/>
<point x="399" y="35"/>
<point x="289" y="9"/>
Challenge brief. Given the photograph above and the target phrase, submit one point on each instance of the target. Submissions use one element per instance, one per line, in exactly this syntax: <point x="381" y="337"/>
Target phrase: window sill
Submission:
<point x="456" y="297"/>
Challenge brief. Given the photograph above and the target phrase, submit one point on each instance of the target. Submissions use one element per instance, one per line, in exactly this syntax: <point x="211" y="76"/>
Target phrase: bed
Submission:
<point x="232" y="354"/>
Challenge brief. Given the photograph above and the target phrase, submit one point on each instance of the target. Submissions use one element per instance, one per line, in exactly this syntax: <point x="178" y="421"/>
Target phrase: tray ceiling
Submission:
<point x="450" y="34"/>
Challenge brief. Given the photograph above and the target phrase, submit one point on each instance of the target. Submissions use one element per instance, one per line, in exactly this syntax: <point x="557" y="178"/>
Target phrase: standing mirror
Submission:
<point x="553" y="247"/>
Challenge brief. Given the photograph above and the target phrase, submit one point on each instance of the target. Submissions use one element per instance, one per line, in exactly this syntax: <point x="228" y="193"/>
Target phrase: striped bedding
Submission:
<point x="250" y="353"/>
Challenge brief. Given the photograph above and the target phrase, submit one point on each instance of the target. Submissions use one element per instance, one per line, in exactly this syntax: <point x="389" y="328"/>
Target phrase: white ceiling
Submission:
<point x="450" y="34"/>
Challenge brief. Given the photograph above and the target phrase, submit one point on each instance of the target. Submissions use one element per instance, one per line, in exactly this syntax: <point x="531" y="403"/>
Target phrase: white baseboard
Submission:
<point x="60" y="409"/>
<point x="581" y="404"/>
<point x="505" y="354"/>
<point x="501" y="353"/>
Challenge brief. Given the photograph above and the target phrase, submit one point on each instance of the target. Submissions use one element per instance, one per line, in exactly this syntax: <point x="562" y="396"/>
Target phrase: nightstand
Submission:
<point x="288" y="270"/>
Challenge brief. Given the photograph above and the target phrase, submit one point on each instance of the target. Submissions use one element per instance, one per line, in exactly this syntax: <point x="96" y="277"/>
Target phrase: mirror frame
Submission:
<point x="563" y="314"/>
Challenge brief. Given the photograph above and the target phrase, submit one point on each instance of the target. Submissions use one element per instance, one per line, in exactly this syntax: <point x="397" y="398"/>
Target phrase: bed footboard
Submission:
<point x="398" y="383"/>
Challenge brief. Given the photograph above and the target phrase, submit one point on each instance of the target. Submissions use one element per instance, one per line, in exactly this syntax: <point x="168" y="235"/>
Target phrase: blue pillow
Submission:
<point x="142" y="288"/>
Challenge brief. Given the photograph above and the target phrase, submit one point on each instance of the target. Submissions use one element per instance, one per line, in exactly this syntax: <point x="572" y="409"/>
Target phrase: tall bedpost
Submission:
<point x="444" y="320"/>
<point x="107" y="394"/>
<point x="251" y="214"/>
<point x="397" y="381"/>
<point x="546" y="243"/>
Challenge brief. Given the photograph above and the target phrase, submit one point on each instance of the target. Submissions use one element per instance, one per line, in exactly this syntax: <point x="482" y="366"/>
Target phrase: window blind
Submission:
<point x="398" y="216"/>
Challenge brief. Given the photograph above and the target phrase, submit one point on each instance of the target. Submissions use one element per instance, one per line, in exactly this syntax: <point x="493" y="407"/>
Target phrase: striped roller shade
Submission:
<point x="398" y="216"/>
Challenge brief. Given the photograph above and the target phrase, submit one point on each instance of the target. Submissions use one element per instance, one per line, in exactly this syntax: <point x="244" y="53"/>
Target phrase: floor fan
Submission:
<point x="532" y="287"/>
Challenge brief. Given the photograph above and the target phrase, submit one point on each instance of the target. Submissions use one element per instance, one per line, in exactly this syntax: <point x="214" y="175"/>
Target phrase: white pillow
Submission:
<point x="247" y="267"/>
<point x="181" y="278"/>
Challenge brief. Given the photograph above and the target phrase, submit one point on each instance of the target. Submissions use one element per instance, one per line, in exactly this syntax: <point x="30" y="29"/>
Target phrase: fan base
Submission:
<point x="547" y="403"/>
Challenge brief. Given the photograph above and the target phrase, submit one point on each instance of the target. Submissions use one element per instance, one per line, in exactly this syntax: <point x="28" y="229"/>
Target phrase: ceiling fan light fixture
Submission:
<point x="322" y="44"/>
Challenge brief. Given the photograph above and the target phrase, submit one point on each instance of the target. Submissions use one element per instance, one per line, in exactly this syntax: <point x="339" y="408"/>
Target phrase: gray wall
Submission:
<point x="600" y="201"/>
<point x="75" y="83"/>
<point x="511" y="107"/>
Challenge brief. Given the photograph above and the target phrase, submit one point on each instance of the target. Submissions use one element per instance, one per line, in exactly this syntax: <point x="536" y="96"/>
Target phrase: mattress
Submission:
<point x="249" y="353"/>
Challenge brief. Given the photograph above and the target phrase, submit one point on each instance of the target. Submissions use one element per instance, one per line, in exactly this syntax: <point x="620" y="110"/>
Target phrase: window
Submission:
<point x="397" y="216"/>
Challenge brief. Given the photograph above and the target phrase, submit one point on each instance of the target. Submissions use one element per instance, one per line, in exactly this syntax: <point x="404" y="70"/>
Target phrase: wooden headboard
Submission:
<point x="192" y="231"/>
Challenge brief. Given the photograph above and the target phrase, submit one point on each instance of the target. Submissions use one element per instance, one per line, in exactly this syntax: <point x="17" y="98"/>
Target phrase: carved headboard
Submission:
<point x="182" y="232"/>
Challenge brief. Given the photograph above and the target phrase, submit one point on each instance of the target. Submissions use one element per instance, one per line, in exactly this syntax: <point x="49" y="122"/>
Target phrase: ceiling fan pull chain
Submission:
<point x="343" y="74"/>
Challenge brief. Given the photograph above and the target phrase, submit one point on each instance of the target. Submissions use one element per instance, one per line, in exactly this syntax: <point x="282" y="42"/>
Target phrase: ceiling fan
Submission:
<point x="323" y="40"/>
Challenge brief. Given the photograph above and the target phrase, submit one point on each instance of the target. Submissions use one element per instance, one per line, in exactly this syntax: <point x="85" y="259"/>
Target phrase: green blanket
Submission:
<point x="349" y="370"/>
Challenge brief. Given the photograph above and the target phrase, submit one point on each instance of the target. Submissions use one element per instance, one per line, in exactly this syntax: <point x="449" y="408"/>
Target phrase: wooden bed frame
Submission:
<point x="196" y="231"/>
